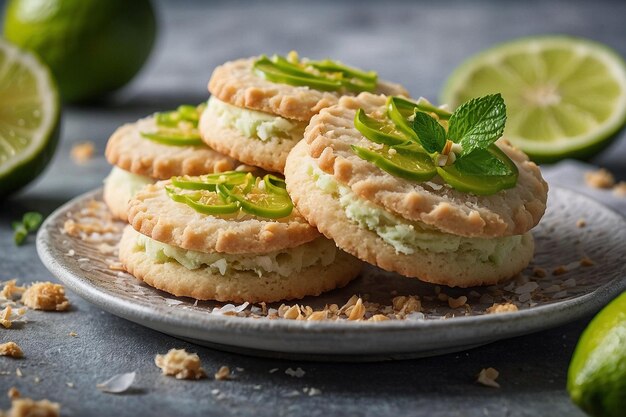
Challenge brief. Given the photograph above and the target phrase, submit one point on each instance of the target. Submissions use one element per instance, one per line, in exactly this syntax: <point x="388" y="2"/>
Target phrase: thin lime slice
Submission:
<point x="565" y="97"/>
<point x="29" y="117"/>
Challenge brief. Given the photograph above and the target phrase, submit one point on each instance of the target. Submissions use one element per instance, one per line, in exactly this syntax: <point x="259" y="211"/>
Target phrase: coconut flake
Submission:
<point x="118" y="383"/>
<point x="230" y="309"/>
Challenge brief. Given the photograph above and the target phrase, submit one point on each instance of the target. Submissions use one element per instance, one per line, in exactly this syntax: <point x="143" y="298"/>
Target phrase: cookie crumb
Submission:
<point x="11" y="349"/>
<point x="585" y="261"/>
<point x="10" y="289"/>
<point x="82" y="152"/>
<point x="487" y="377"/>
<point x="457" y="302"/>
<point x="5" y="317"/>
<point x="13" y="393"/>
<point x="46" y="296"/>
<point x="296" y="373"/>
<point x="620" y="189"/>
<point x="180" y="364"/>
<point x="501" y="308"/>
<point x="18" y="373"/>
<point x="271" y="371"/>
<point x="539" y="272"/>
<point x="73" y="334"/>
<point x="559" y="270"/>
<point x="26" y="407"/>
<point x="223" y="373"/>
<point x="580" y="223"/>
<point x="600" y="178"/>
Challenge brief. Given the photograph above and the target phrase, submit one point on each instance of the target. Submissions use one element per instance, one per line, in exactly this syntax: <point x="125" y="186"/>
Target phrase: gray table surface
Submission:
<point x="417" y="44"/>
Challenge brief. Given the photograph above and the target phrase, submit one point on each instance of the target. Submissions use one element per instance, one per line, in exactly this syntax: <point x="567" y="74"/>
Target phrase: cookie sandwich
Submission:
<point x="229" y="237"/>
<point x="417" y="190"/>
<point x="154" y="148"/>
<point x="259" y="107"/>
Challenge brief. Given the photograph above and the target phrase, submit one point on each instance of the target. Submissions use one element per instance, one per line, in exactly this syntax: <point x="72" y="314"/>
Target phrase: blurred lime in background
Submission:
<point x="596" y="379"/>
<point x="29" y="117"/>
<point x="565" y="97"/>
<point x="93" y="47"/>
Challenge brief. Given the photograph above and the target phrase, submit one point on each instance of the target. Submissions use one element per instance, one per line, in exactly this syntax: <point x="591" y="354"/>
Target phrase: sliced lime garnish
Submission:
<point x="404" y="161"/>
<point x="205" y="202"/>
<point x="209" y="181"/>
<point x="174" y="139"/>
<point x="379" y="131"/>
<point x="324" y="75"/>
<point x="482" y="172"/>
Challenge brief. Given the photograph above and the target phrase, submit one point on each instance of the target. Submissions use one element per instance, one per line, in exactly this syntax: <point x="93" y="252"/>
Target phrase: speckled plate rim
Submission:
<point x="390" y="339"/>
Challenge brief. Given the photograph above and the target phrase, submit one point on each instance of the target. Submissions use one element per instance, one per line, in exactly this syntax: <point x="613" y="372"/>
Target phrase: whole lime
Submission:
<point x="596" y="379"/>
<point x="93" y="47"/>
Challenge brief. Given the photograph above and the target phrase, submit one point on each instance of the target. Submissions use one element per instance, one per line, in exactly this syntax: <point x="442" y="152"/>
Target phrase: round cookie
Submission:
<point x="512" y="211"/>
<point x="238" y="287"/>
<point x="128" y="150"/>
<point x="246" y="112"/>
<point x="235" y="257"/>
<point x="425" y="230"/>
<point x="236" y="83"/>
<point x="455" y="268"/>
<point x="138" y="161"/>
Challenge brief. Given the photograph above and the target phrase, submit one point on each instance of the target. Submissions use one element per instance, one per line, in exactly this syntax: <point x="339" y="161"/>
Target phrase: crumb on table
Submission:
<point x="82" y="152"/>
<point x="11" y="349"/>
<point x="223" y="373"/>
<point x="46" y="296"/>
<point x="180" y="364"/>
<point x="26" y="407"/>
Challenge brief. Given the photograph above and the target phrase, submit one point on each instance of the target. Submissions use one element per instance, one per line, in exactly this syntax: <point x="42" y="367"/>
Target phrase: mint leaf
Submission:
<point x="482" y="162"/>
<point x="478" y="123"/>
<point x="430" y="133"/>
<point x="32" y="220"/>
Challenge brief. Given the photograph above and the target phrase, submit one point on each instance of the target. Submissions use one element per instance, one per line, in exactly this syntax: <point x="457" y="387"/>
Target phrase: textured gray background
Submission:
<point x="416" y="44"/>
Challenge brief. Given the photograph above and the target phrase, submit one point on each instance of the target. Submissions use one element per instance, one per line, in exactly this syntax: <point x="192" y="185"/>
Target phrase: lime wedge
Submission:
<point x="565" y="97"/>
<point x="29" y="117"/>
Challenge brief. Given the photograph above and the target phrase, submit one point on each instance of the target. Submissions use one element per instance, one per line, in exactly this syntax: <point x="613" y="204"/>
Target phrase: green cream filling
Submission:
<point x="127" y="183"/>
<point x="407" y="237"/>
<point x="255" y="124"/>
<point x="285" y="262"/>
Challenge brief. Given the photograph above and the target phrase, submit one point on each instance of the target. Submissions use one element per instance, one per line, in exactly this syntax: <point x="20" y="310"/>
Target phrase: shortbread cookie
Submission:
<point x="423" y="229"/>
<point x="255" y="138"/>
<point x="183" y="242"/>
<point x="332" y="269"/>
<point x="372" y="234"/>
<point x="119" y="187"/>
<point x="257" y="121"/>
<point x="128" y="150"/>
<point x="236" y="83"/>
<point x="154" y="214"/>
<point x="512" y="211"/>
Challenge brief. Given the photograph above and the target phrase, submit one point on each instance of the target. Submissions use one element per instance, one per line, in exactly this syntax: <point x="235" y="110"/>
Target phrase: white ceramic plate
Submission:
<point x="84" y="263"/>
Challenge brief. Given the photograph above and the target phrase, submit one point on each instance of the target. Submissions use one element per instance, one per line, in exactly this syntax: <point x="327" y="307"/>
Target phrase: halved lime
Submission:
<point x="29" y="117"/>
<point x="596" y="379"/>
<point x="565" y="97"/>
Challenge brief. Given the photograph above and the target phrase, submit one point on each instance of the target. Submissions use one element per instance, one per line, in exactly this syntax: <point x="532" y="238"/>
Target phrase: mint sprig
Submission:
<point x="431" y="134"/>
<point x="478" y="123"/>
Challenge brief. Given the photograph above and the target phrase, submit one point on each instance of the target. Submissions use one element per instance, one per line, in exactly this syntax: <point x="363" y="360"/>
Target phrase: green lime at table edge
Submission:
<point x="596" y="380"/>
